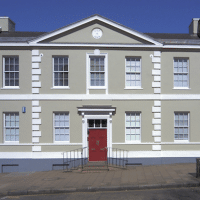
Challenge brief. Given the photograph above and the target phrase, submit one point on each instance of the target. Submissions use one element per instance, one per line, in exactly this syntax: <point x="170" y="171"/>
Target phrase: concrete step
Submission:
<point x="96" y="166"/>
<point x="95" y="169"/>
<point x="99" y="164"/>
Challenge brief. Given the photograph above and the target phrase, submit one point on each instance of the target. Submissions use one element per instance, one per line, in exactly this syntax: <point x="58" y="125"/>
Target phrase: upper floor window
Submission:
<point x="133" y="126"/>
<point x="181" y="126"/>
<point x="97" y="74"/>
<point x="181" y="73"/>
<point x="11" y="71"/>
<point x="61" y="126"/>
<point x="97" y="71"/>
<point x="11" y="127"/>
<point x="60" y="71"/>
<point x="133" y="72"/>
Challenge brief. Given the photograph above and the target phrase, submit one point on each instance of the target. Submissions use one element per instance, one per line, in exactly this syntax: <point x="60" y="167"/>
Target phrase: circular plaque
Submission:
<point x="97" y="33"/>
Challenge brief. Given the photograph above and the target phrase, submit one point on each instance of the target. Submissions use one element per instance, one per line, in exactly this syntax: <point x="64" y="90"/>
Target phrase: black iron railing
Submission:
<point x="117" y="157"/>
<point x="75" y="158"/>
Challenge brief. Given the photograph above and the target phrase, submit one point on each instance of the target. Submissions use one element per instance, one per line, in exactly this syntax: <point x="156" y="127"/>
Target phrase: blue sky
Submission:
<point x="161" y="16"/>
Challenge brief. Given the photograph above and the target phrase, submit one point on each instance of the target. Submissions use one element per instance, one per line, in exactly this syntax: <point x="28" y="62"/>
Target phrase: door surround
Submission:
<point x="96" y="112"/>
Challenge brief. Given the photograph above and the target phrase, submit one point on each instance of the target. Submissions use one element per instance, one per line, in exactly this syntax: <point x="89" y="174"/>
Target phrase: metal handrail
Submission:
<point x="118" y="158"/>
<point x="78" y="157"/>
<point x="75" y="158"/>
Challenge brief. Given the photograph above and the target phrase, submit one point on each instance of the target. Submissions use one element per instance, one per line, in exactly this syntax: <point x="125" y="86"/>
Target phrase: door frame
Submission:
<point x="85" y="119"/>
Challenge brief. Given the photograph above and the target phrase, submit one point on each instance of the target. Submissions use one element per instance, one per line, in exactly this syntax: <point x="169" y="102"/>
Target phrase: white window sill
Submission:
<point x="61" y="88"/>
<point x="132" y="142"/>
<point x="97" y="88"/>
<point x="10" y="88"/>
<point x="61" y="142"/>
<point x="181" y="141"/>
<point x="181" y="88"/>
<point x="11" y="142"/>
<point x="133" y="88"/>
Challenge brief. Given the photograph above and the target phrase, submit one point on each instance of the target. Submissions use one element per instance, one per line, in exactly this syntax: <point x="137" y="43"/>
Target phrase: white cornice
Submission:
<point x="101" y="45"/>
<point x="113" y="97"/>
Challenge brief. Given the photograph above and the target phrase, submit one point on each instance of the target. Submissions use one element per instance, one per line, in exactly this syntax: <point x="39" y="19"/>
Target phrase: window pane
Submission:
<point x="91" y="123"/>
<point x="133" y="126"/>
<point x="7" y="68"/>
<point x="137" y="137"/>
<point x="181" y="79"/>
<point x="133" y="78"/>
<point x="61" y="126"/>
<point x="104" y="123"/>
<point x="55" y="67"/>
<point x="128" y="137"/>
<point x="97" y="65"/>
<point x="181" y="124"/>
<point x="132" y="137"/>
<point x="97" y="123"/>
<point x="12" y="124"/>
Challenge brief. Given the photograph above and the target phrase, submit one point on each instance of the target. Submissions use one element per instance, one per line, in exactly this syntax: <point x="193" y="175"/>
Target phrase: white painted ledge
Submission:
<point x="157" y="139"/>
<point x="156" y="60"/>
<point x="156" y="72"/>
<point x="36" y="71"/>
<point x="35" y="78"/>
<point x="35" y="103"/>
<point x="36" y="59"/>
<point x="36" y="109"/>
<point x="156" y="84"/>
<point x="35" y="139"/>
<point x="36" y="121"/>
<point x="156" y="109"/>
<point x="157" y="115"/>
<point x="157" y="53"/>
<point x="156" y="121"/>
<point x="157" y="103"/>
<point x="157" y="90"/>
<point x="36" y="133"/>
<point x="35" y="115"/>
<point x="157" y="127"/>
<point x="157" y="78"/>
<point x="36" y="148"/>
<point x="35" y="52"/>
<point x="35" y="127"/>
<point x="156" y="147"/>
<point x="36" y="84"/>
<point x="35" y="65"/>
<point x="156" y="133"/>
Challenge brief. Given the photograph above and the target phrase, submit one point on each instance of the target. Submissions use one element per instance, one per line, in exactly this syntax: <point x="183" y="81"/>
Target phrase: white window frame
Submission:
<point x="4" y="127"/>
<point x="140" y="72"/>
<point x="60" y="87"/>
<point x="4" y="85"/>
<point x="140" y="127"/>
<point x="64" y="141"/>
<point x="188" y="77"/>
<point x="188" y="127"/>
<point x="88" y="77"/>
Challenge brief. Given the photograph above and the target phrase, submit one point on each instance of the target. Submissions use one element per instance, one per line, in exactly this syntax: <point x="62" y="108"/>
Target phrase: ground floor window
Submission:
<point x="181" y="126"/>
<point x="133" y="126"/>
<point x="61" y="126"/>
<point x="11" y="127"/>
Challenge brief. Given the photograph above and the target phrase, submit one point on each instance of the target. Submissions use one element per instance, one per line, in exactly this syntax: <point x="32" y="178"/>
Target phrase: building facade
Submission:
<point x="97" y="78"/>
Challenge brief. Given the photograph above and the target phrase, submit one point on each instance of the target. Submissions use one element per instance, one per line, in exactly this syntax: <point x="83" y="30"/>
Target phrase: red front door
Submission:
<point x="97" y="144"/>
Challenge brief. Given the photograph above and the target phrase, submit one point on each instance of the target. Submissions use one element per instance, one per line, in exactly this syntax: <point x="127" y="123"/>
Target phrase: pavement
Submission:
<point x="132" y="178"/>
